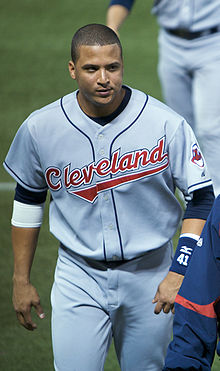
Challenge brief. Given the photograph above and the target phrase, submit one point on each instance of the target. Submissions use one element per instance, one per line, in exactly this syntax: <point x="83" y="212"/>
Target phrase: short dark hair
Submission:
<point x="93" y="34"/>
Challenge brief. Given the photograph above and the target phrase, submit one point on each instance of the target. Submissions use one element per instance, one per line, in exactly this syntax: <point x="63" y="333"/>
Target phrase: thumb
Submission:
<point x="39" y="311"/>
<point x="156" y="298"/>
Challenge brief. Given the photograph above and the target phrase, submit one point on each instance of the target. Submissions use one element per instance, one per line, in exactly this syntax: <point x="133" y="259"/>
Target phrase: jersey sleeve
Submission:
<point x="196" y="317"/>
<point x="187" y="162"/>
<point x="126" y="3"/>
<point x="22" y="161"/>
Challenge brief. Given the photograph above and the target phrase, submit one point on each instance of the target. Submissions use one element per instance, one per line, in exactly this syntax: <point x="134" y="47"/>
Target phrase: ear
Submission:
<point x="72" y="70"/>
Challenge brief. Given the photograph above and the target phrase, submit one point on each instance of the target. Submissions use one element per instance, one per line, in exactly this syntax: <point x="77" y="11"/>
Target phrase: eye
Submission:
<point x="113" y="67"/>
<point x="90" y="68"/>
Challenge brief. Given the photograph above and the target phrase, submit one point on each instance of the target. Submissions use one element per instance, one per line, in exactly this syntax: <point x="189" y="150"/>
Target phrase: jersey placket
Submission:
<point x="186" y="13"/>
<point x="111" y="238"/>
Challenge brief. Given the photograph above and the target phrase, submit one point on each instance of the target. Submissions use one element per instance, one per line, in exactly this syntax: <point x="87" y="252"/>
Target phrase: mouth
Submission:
<point x="104" y="92"/>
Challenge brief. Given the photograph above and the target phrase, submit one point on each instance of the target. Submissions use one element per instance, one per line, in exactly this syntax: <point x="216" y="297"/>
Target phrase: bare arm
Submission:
<point x="116" y="15"/>
<point x="24" y="242"/>
<point x="169" y="287"/>
<point x="193" y="226"/>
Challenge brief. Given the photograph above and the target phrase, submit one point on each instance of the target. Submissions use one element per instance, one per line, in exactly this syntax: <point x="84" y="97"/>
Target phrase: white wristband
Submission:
<point x="27" y="216"/>
<point x="191" y="235"/>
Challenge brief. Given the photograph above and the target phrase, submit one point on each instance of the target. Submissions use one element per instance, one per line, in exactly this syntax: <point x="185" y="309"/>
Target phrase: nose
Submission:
<point x="103" y="77"/>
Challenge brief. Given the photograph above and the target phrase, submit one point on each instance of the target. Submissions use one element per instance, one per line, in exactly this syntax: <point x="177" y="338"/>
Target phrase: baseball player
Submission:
<point x="189" y="65"/>
<point x="111" y="158"/>
<point x="197" y="305"/>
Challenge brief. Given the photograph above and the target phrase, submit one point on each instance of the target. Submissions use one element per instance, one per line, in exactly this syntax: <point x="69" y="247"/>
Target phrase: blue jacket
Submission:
<point x="197" y="305"/>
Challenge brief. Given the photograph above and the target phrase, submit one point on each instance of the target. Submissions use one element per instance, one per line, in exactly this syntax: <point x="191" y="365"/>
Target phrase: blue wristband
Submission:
<point x="183" y="254"/>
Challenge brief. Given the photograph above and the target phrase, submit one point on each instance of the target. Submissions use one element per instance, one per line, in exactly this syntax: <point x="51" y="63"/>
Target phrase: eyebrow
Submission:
<point x="90" y="65"/>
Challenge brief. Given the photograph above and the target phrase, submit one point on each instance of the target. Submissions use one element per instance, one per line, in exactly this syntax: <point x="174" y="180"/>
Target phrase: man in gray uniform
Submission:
<point x="189" y="65"/>
<point x="111" y="158"/>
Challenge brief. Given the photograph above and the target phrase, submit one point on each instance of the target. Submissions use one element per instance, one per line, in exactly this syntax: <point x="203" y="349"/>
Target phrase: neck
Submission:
<point x="100" y="110"/>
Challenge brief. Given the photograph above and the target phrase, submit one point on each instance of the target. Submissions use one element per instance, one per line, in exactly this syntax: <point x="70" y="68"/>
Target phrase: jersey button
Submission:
<point x="101" y="136"/>
<point x="115" y="258"/>
<point x="102" y="152"/>
<point x="110" y="226"/>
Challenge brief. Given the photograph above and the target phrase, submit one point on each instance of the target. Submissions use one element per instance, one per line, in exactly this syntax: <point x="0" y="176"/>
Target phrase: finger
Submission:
<point x="29" y="325"/>
<point x="156" y="298"/>
<point x="39" y="311"/>
<point x="166" y="308"/>
<point x="20" y="318"/>
<point x="158" y="308"/>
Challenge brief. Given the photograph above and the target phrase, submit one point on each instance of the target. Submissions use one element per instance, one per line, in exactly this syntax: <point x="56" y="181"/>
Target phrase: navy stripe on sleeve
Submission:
<point x="28" y="197"/>
<point x="200" y="206"/>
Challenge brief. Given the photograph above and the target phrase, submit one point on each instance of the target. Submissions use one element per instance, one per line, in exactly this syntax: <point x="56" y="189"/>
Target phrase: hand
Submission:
<point x="25" y="297"/>
<point x="166" y="292"/>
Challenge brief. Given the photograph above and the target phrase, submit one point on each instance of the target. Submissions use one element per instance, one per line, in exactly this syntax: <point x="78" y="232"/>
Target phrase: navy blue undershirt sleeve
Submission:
<point x="28" y="197"/>
<point x="126" y="3"/>
<point x="200" y="206"/>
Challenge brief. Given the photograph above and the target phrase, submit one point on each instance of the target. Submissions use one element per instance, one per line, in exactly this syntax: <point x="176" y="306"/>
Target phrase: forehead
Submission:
<point x="98" y="53"/>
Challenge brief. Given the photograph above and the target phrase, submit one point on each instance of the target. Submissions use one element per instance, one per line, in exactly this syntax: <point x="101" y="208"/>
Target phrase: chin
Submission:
<point x="103" y="102"/>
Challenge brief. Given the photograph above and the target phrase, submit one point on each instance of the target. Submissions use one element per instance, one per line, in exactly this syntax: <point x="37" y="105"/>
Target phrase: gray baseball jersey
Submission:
<point x="111" y="185"/>
<point x="194" y="15"/>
